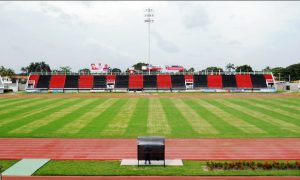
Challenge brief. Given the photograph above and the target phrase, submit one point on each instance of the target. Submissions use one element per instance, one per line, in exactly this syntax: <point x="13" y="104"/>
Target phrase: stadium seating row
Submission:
<point x="161" y="81"/>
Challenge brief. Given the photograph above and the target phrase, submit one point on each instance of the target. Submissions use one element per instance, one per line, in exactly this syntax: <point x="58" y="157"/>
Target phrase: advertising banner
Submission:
<point x="174" y="68"/>
<point x="99" y="68"/>
<point x="152" y="68"/>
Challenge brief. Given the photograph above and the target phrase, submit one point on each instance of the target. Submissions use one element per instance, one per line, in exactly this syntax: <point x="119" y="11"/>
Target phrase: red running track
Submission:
<point x="152" y="178"/>
<point x="194" y="149"/>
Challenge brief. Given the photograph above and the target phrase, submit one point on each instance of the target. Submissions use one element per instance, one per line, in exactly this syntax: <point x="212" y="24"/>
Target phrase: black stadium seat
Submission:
<point x="200" y="81"/>
<point x="44" y="81"/>
<point x="122" y="81"/>
<point x="229" y="81"/>
<point x="99" y="81"/>
<point x="72" y="81"/>
<point x="258" y="81"/>
<point x="178" y="81"/>
<point x="150" y="81"/>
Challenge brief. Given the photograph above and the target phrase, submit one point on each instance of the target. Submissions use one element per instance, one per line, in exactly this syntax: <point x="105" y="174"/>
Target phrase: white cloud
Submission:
<point x="198" y="34"/>
<point x="165" y="45"/>
<point x="195" y="16"/>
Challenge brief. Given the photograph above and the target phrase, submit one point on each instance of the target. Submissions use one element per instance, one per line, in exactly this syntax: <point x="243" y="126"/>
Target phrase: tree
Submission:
<point x="116" y="70"/>
<point x="191" y="69"/>
<point x="138" y="66"/>
<point x="62" y="69"/>
<point x="65" y="69"/>
<point x="279" y="73"/>
<point x="6" y="71"/>
<point x="267" y="69"/>
<point x="277" y="70"/>
<point x="230" y="67"/>
<point x="293" y="71"/>
<point x="214" y="69"/>
<point x="85" y="71"/>
<point x="244" y="68"/>
<point x="36" y="67"/>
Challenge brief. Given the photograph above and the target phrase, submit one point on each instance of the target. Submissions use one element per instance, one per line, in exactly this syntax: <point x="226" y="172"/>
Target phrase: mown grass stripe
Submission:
<point x="19" y="105"/>
<point x="229" y="118"/>
<point x="94" y="127"/>
<point x="4" y="101"/>
<point x="179" y="125"/>
<point x="275" y="108"/>
<point x="25" y="112"/>
<point x="7" y="100"/>
<point x="269" y="119"/>
<point x="4" y="105"/>
<point x="270" y="112"/>
<point x="117" y="126"/>
<point x="86" y="118"/>
<point x="293" y="100"/>
<point x="289" y="101"/>
<point x="267" y="127"/>
<point x="53" y="126"/>
<point x="13" y="103"/>
<point x="199" y="124"/>
<point x="219" y="124"/>
<point x="36" y="124"/>
<point x="288" y="107"/>
<point x="137" y="125"/>
<point x="61" y="104"/>
<point x="157" y="123"/>
<point x="286" y="103"/>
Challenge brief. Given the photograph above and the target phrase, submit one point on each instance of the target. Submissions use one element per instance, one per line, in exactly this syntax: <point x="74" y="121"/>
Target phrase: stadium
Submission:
<point x="147" y="122"/>
<point x="159" y="82"/>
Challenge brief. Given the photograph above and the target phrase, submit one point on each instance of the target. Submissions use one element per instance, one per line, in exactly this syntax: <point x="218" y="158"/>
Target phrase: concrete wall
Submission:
<point x="22" y="87"/>
<point x="1" y="83"/>
<point x="11" y="86"/>
<point x="286" y="86"/>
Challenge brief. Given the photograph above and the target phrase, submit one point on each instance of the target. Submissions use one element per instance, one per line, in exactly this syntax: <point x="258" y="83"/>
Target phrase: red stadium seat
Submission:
<point x="164" y="81"/>
<point x="214" y="81"/>
<point x="86" y="81"/>
<point x="136" y="81"/>
<point x="34" y="78"/>
<point x="189" y="78"/>
<point x="111" y="78"/>
<point x="243" y="81"/>
<point x="57" y="81"/>
<point x="269" y="78"/>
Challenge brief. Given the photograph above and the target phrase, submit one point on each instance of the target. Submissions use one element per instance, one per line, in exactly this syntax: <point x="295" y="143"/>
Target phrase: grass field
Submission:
<point x="131" y="117"/>
<point x="113" y="168"/>
<point x="5" y="164"/>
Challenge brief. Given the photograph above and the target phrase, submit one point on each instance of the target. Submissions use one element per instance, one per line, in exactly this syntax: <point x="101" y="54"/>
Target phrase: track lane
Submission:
<point x="187" y="149"/>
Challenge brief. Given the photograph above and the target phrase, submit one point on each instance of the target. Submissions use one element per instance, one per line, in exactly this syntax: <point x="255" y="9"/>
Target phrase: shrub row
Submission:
<point x="252" y="165"/>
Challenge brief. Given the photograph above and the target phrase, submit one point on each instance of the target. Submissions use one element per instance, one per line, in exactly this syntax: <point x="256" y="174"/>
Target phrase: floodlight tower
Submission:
<point x="149" y="15"/>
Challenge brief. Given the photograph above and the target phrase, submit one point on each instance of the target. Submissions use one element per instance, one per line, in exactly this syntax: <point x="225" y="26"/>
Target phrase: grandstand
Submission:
<point x="218" y="82"/>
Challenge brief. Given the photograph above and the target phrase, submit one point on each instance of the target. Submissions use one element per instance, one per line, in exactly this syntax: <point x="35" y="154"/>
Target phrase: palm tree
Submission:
<point x="36" y="67"/>
<point x="230" y="67"/>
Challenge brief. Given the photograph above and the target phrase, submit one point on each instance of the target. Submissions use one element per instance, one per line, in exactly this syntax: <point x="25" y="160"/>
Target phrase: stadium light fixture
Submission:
<point x="149" y="15"/>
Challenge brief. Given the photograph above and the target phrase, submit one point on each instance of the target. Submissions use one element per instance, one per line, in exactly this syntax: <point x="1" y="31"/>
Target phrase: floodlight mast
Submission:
<point x="149" y="19"/>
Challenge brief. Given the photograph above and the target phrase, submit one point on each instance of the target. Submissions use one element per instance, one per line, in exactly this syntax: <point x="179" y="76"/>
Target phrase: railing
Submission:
<point x="153" y="73"/>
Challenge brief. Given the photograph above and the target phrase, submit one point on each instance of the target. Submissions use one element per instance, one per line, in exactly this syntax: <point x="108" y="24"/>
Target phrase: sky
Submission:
<point x="193" y="34"/>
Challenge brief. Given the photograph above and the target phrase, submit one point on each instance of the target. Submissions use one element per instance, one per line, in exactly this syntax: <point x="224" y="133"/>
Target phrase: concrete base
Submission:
<point x="134" y="162"/>
<point x="25" y="167"/>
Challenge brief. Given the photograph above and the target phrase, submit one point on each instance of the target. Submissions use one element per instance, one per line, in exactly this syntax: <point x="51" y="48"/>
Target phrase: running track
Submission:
<point x="194" y="149"/>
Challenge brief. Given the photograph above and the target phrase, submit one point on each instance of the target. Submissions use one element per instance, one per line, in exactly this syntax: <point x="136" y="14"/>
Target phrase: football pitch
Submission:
<point x="131" y="117"/>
